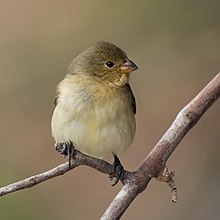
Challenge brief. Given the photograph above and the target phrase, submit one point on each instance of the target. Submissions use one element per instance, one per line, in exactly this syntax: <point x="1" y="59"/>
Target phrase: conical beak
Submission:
<point x="128" y="67"/>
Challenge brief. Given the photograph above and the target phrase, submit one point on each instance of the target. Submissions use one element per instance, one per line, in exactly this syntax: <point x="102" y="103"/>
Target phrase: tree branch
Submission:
<point x="79" y="159"/>
<point x="153" y="166"/>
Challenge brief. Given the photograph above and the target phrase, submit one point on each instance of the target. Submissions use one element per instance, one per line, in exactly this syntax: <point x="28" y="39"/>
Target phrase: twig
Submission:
<point x="167" y="177"/>
<point x="79" y="159"/>
<point x="153" y="165"/>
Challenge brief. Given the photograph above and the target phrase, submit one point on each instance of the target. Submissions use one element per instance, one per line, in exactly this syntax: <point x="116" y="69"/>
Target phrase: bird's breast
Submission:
<point x="98" y="120"/>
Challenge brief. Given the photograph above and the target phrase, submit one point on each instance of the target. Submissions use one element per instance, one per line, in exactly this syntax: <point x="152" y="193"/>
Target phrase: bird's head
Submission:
<point x="104" y="61"/>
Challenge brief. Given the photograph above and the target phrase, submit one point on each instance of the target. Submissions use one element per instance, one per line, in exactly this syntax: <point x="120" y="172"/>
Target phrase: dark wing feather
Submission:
<point x="133" y="101"/>
<point x="56" y="98"/>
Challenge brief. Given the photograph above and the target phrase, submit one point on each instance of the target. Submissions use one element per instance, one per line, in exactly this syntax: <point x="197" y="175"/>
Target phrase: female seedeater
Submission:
<point x="95" y="106"/>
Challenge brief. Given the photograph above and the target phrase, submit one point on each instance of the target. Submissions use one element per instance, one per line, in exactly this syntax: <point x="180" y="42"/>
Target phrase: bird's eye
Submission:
<point x="109" y="64"/>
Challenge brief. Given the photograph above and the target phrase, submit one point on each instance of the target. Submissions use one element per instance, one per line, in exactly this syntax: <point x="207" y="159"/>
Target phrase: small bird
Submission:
<point x="95" y="106"/>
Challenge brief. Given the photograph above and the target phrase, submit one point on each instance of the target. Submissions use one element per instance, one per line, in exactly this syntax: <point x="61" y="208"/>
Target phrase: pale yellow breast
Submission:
<point x="97" y="119"/>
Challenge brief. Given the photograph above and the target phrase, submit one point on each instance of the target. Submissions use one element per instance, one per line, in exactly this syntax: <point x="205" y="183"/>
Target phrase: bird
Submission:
<point x="94" y="105"/>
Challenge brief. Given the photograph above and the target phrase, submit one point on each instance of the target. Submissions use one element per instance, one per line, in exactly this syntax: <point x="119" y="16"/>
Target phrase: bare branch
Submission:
<point x="153" y="166"/>
<point x="80" y="159"/>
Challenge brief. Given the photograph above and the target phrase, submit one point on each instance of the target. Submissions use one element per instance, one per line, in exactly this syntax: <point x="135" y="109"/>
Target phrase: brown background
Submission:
<point x="176" y="45"/>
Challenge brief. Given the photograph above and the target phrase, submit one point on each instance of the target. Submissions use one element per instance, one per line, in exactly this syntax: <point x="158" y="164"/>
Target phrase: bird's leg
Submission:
<point x="66" y="149"/>
<point x="118" y="170"/>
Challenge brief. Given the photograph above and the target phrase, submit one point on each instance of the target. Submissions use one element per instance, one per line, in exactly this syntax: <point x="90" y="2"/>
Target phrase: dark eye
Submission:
<point x="109" y="64"/>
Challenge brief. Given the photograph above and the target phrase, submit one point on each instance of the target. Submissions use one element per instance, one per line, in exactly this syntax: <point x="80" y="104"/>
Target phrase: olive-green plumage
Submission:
<point x="95" y="105"/>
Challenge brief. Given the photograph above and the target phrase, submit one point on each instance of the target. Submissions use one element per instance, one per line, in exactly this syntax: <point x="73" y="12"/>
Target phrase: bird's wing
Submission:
<point x="133" y="101"/>
<point x="56" y="97"/>
<point x="55" y="100"/>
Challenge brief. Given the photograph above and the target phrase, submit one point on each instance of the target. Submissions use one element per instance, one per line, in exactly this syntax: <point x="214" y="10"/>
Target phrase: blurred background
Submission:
<point x="176" y="45"/>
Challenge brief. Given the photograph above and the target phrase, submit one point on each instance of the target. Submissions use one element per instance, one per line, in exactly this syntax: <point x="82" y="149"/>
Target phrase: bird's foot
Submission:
<point x="67" y="149"/>
<point x="118" y="170"/>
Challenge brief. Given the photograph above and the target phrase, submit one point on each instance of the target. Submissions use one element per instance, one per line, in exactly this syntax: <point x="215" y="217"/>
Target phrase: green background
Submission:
<point x="176" y="45"/>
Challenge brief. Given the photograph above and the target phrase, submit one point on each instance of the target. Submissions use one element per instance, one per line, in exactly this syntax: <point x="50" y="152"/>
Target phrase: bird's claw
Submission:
<point x="118" y="171"/>
<point x="66" y="149"/>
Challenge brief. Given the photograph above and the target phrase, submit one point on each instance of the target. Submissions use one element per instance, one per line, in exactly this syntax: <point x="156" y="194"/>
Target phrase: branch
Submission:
<point x="154" y="165"/>
<point x="79" y="159"/>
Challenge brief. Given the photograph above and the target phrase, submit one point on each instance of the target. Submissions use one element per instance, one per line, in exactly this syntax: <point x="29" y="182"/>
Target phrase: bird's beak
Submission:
<point x="128" y="67"/>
